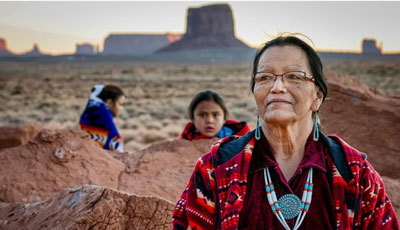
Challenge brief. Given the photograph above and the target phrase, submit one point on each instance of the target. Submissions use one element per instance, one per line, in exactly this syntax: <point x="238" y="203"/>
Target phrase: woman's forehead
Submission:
<point x="283" y="56"/>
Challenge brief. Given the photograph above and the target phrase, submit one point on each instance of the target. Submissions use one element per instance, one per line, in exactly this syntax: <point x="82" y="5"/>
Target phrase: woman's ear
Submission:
<point x="318" y="100"/>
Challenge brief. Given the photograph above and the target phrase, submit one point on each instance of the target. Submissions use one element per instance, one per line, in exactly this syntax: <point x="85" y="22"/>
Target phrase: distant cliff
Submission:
<point x="137" y="44"/>
<point x="34" y="52"/>
<point x="85" y="49"/>
<point x="209" y="26"/>
<point x="3" y="48"/>
<point x="369" y="46"/>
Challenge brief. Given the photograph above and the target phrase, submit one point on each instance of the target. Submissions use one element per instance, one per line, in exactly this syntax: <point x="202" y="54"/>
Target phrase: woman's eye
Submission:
<point x="293" y="76"/>
<point x="264" y="77"/>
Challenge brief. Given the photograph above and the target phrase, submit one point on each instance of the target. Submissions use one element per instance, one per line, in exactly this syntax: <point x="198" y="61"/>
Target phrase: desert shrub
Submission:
<point x="18" y="89"/>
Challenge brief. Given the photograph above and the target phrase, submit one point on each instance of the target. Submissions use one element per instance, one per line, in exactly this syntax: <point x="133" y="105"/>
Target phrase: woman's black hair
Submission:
<point x="313" y="60"/>
<point x="207" y="95"/>
<point x="110" y="92"/>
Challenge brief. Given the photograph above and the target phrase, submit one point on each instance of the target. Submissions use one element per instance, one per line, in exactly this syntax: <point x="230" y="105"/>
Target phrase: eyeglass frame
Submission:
<point x="305" y="78"/>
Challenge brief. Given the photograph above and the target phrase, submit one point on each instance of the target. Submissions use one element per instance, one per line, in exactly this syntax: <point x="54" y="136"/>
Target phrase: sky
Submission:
<point x="57" y="26"/>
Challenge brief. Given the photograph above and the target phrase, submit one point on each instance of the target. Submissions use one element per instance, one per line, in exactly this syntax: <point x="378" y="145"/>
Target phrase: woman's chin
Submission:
<point x="279" y="118"/>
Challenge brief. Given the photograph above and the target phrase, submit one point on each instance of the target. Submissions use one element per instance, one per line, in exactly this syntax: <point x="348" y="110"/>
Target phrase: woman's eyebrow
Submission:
<point x="268" y="67"/>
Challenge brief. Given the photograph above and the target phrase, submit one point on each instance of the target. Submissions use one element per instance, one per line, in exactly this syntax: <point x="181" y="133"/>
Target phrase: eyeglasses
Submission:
<point x="292" y="77"/>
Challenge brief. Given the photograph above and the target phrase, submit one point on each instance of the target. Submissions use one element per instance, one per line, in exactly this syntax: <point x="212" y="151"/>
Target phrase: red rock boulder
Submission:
<point x="54" y="160"/>
<point x="88" y="207"/>
<point x="15" y="135"/>
<point x="365" y="119"/>
<point x="163" y="169"/>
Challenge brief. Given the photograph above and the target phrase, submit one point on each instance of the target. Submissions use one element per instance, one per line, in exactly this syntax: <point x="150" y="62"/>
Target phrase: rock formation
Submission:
<point x="52" y="161"/>
<point x="137" y="44"/>
<point x="209" y="26"/>
<point x="15" y="135"/>
<point x="369" y="47"/>
<point x="88" y="207"/>
<point x="58" y="159"/>
<point x="84" y="49"/>
<point x="3" y="45"/>
<point x="365" y="119"/>
<point x="34" y="52"/>
<point x="163" y="169"/>
<point x="3" y="48"/>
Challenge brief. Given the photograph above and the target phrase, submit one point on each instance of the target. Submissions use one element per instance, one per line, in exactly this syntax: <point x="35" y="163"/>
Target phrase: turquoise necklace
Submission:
<point x="289" y="206"/>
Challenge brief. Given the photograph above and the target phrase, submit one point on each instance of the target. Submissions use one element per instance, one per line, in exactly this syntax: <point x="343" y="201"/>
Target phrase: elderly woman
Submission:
<point x="286" y="174"/>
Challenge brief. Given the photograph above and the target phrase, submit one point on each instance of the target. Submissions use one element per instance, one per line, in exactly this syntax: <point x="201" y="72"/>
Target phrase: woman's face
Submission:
<point x="116" y="107"/>
<point x="208" y="117"/>
<point x="283" y="103"/>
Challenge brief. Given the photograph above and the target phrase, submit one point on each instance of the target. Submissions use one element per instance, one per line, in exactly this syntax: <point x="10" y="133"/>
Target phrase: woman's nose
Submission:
<point x="278" y="86"/>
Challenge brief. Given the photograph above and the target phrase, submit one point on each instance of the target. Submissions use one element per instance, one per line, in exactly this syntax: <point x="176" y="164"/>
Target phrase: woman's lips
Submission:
<point x="278" y="101"/>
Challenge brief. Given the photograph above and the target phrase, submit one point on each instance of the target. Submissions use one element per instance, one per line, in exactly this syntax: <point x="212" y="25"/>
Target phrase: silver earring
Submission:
<point x="316" y="131"/>
<point x="258" y="132"/>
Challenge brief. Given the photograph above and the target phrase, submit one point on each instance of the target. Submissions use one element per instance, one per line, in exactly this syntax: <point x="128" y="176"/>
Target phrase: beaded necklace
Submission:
<point x="289" y="205"/>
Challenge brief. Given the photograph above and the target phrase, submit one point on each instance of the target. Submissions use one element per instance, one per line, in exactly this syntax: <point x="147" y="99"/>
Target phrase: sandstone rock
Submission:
<point x="58" y="159"/>
<point x="85" y="49"/>
<point x="209" y="26"/>
<point x="366" y="120"/>
<point x="163" y="169"/>
<point x="54" y="160"/>
<point x="15" y="135"/>
<point x="369" y="47"/>
<point x="88" y="207"/>
<point x="3" y="48"/>
<point x="3" y="44"/>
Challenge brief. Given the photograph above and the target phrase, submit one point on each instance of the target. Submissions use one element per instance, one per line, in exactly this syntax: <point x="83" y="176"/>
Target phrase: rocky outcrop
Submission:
<point x="163" y="169"/>
<point x="3" y="45"/>
<point x="209" y="26"/>
<point x="85" y="49"/>
<point x="368" y="46"/>
<point x="58" y="159"/>
<point x="137" y="44"/>
<point x="34" y="52"/>
<point x="16" y="135"/>
<point x="54" y="160"/>
<point x="88" y="207"/>
<point x="366" y="120"/>
<point x="3" y="48"/>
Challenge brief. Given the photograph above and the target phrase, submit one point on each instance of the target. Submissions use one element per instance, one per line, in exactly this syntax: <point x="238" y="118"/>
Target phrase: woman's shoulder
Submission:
<point x="351" y="153"/>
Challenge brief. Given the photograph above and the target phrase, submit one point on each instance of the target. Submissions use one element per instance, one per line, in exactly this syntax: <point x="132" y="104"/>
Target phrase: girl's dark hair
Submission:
<point x="110" y="92"/>
<point x="313" y="59"/>
<point x="207" y="96"/>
